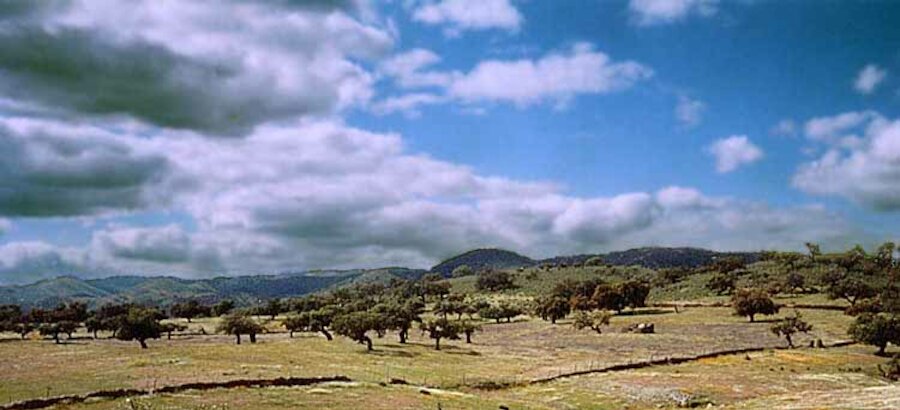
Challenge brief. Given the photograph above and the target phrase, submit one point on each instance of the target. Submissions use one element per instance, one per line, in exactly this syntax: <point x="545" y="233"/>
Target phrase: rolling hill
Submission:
<point x="163" y="290"/>
<point x="483" y="258"/>
<point x="247" y="290"/>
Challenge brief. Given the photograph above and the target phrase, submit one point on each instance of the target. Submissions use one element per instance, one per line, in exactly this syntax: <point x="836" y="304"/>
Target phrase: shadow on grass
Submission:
<point x="644" y="312"/>
<point x="459" y="351"/>
<point x="390" y="353"/>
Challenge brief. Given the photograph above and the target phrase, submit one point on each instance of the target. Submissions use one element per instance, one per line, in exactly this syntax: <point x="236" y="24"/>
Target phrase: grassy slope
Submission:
<point x="508" y="353"/>
<point x="525" y="349"/>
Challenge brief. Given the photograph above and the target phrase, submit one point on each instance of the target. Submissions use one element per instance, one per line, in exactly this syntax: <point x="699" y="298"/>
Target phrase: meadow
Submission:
<point x="503" y="366"/>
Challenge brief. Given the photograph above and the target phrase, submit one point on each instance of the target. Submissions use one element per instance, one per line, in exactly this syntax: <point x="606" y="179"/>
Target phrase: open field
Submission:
<point x="503" y="353"/>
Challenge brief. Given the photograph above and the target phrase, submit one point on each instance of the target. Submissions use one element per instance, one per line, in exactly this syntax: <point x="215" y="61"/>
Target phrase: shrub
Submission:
<point x="140" y="324"/>
<point x="591" y="320"/>
<point x="790" y="326"/>
<point x="237" y="324"/>
<point x="752" y="302"/>
<point x="551" y="308"/>
<point x="494" y="280"/>
<point x="441" y="329"/>
<point x="876" y="330"/>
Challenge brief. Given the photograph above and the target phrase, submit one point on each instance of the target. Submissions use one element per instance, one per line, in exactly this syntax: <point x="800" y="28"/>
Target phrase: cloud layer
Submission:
<point x="216" y="67"/>
<point x="861" y="162"/>
<point x="323" y="194"/>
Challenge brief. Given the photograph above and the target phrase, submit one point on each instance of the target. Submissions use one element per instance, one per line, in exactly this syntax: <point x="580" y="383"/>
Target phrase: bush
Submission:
<point x="876" y="330"/>
<point x="722" y="283"/>
<point x="790" y="326"/>
<point x="591" y="320"/>
<point x="237" y="324"/>
<point x="461" y="271"/>
<point x="493" y="281"/>
<point x="140" y="324"/>
<point x="752" y="302"/>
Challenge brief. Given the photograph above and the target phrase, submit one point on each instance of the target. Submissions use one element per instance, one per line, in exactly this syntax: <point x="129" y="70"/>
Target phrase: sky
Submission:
<point x="210" y="138"/>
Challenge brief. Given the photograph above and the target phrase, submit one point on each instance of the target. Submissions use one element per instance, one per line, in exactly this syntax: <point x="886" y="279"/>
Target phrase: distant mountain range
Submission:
<point x="247" y="290"/>
<point x="649" y="257"/>
<point x="164" y="290"/>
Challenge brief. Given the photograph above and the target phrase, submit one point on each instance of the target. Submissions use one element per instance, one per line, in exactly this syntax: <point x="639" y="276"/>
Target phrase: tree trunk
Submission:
<point x="881" y="349"/>
<point x="368" y="341"/>
<point x="437" y="343"/>
<point x="553" y="320"/>
<point x="238" y="338"/>
<point x="252" y="337"/>
<point x="143" y="343"/>
<point x="790" y="342"/>
<point x="327" y="334"/>
<point x="403" y="335"/>
<point x="95" y="334"/>
<point x="751" y="318"/>
<point x="189" y="320"/>
<point x="56" y="338"/>
<point x="468" y="337"/>
<point x="292" y="334"/>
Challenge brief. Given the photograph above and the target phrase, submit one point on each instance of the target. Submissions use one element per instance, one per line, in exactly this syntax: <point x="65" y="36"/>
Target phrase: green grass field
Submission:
<point x="506" y="353"/>
<point x="455" y="377"/>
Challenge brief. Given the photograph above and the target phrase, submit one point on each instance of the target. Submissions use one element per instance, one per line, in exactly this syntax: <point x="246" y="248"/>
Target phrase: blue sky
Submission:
<point x="225" y="138"/>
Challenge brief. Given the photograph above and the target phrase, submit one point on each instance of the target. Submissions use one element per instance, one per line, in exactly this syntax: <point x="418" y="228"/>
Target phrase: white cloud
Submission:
<point x="689" y="112"/>
<point x="5" y="226"/>
<point x="869" y="78"/>
<point x="557" y="77"/>
<point x="654" y="12"/>
<point x="217" y="67"/>
<point x="321" y="194"/>
<point x="462" y="15"/>
<point x="867" y="172"/>
<point x="63" y="169"/>
<point x="408" y="69"/>
<point x="408" y="104"/>
<point x="842" y="129"/>
<point x="733" y="152"/>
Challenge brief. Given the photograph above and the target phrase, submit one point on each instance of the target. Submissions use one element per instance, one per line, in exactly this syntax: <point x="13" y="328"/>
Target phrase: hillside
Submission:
<point x="249" y="289"/>
<point x="657" y="258"/>
<point x="165" y="290"/>
<point x="483" y="258"/>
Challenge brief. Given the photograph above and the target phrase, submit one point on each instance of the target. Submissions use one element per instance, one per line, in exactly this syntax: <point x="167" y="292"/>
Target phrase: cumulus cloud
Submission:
<point x="216" y="67"/>
<point x="25" y="262"/>
<point x="689" y="112"/>
<point x="461" y="15"/>
<point x="869" y="78"/>
<point x="167" y="244"/>
<point x="558" y="76"/>
<point x="56" y="169"/>
<point x="655" y="12"/>
<point x="300" y="189"/>
<point x="866" y="171"/>
<point x="409" y="104"/>
<point x="733" y="152"/>
<point x="408" y="69"/>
